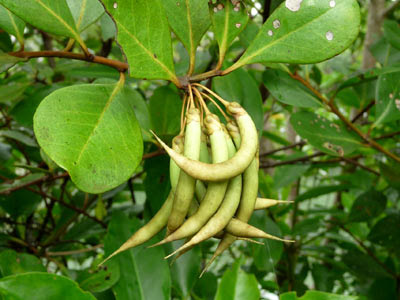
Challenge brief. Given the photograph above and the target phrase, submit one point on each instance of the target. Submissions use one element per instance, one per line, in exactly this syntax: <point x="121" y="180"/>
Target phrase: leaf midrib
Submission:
<point x="19" y="37"/>
<point x="112" y="96"/>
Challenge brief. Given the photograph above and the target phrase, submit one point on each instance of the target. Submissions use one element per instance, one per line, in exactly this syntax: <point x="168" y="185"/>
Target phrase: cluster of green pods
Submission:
<point x="214" y="179"/>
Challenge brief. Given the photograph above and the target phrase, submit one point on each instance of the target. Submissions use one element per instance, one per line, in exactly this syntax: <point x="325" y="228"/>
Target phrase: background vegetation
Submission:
<point x="329" y="141"/>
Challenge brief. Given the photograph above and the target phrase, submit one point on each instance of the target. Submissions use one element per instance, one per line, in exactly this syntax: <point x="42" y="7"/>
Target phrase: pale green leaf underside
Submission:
<point x="317" y="31"/>
<point x="324" y="135"/>
<point x="189" y="19"/>
<point x="12" y="24"/>
<point x="228" y="23"/>
<point x="48" y="15"/>
<point x="92" y="132"/>
<point x="388" y="98"/>
<point x="85" y="12"/>
<point x="143" y="34"/>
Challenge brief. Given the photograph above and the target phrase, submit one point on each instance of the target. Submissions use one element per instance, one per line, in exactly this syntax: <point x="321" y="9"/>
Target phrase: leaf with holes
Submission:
<point x="328" y="137"/>
<point x="388" y="98"/>
<point x="144" y="36"/>
<point x="305" y="31"/>
<point x="288" y="90"/>
<point x="12" y="24"/>
<point x="85" y="12"/>
<point x="228" y="21"/>
<point x="189" y="19"/>
<point x="92" y="132"/>
<point x="48" y="15"/>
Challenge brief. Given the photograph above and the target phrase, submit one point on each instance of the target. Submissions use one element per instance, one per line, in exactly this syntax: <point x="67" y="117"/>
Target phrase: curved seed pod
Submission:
<point x="204" y="152"/>
<point x="227" y="169"/>
<point x="246" y="207"/>
<point x="225" y="212"/>
<point x="174" y="170"/>
<point x="201" y="190"/>
<point x="149" y="230"/>
<point x="262" y="203"/>
<point x="186" y="184"/>
<point x="215" y="190"/>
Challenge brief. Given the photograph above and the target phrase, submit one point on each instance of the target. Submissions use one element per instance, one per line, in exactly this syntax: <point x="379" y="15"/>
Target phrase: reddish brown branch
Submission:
<point x="118" y="65"/>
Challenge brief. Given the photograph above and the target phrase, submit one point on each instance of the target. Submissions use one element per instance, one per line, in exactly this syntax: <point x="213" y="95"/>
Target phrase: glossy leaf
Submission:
<point x="322" y="190"/>
<point x="12" y="24"/>
<point x="239" y="86"/>
<point x="48" y="15"/>
<point x="85" y="12"/>
<point x="391" y="172"/>
<point x="368" y="206"/>
<point x="92" y="132"/>
<point x="288" y="90"/>
<point x="20" y="203"/>
<point x="391" y="30"/>
<point x="388" y="98"/>
<point x="387" y="232"/>
<point x="38" y="286"/>
<point x="147" y="48"/>
<point x="324" y="135"/>
<point x="165" y="110"/>
<point x="12" y="92"/>
<point x="312" y="32"/>
<point x="144" y="272"/>
<point x="237" y="285"/>
<point x="228" y="22"/>
<point x="12" y="262"/>
<point x="316" y="295"/>
<point x="189" y="19"/>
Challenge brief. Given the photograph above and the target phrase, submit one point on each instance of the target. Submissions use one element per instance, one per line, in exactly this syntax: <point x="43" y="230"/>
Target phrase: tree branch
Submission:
<point x="118" y="65"/>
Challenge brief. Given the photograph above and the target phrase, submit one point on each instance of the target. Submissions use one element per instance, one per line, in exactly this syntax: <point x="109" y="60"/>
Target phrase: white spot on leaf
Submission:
<point x="293" y="5"/>
<point x="276" y="24"/>
<point x="332" y="3"/>
<point x="115" y="5"/>
<point x="391" y="96"/>
<point x="329" y="35"/>
<point x="270" y="33"/>
<point x="397" y="102"/>
<point x="238" y="25"/>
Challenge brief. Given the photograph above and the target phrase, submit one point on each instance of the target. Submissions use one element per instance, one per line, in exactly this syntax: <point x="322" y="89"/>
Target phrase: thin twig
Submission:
<point x="366" y="109"/>
<point x="299" y="144"/>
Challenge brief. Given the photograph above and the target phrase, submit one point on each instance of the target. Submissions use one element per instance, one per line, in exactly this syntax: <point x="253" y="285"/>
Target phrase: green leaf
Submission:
<point x="368" y="206"/>
<point x="12" y="92"/>
<point x="268" y="255"/>
<point x="239" y="86"/>
<point x="185" y="271"/>
<point x="20" y="203"/>
<point x="189" y="19"/>
<point x="237" y="285"/>
<point x="147" y="47"/>
<point x="388" y="98"/>
<point x="48" y="15"/>
<point x="288" y="90"/>
<point x="39" y="286"/>
<point x="391" y="173"/>
<point x="391" y="31"/>
<point x="12" y="24"/>
<point x="165" y="110"/>
<point x="85" y="12"/>
<point x="315" y="295"/>
<point x="12" y="262"/>
<point x="19" y="136"/>
<point x="324" y="135"/>
<point x="387" y="232"/>
<point x="228" y="23"/>
<point x="310" y="33"/>
<point x="144" y="272"/>
<point x="102" y="279"/>
<point x="322" y="190"/>
<point x="286" y="175"/>
<point x="92" y="132"/>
